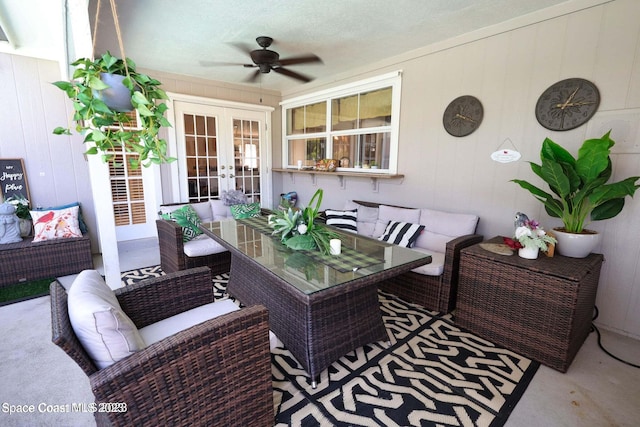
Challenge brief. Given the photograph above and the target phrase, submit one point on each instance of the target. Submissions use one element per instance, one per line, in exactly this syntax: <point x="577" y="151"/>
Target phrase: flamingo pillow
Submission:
<point x="55" y="224"/>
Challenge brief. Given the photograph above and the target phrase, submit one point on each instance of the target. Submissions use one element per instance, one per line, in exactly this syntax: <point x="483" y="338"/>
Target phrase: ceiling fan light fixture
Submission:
<point x="264" y="68"/>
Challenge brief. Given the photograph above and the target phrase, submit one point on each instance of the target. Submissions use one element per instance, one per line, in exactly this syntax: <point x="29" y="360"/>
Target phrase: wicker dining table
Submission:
<point x="320" y="306"/>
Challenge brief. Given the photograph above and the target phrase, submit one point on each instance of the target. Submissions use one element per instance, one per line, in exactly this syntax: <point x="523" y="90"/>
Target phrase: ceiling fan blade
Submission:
<point x="292" y="74"/>
<point x="243" y="47"/>
<point x="253" y="77"/>
<point x="305" y="59"/>
<point x="217" y="64"/>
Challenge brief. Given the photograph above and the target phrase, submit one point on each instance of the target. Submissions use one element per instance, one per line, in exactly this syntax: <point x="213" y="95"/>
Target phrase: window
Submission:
<point x="356" y="124"/>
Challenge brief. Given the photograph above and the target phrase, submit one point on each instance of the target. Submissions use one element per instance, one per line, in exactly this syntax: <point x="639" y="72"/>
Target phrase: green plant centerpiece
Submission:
<point x="298" y="230"/>
<point x="108" y="127"/>
<point x="579" y="185"/>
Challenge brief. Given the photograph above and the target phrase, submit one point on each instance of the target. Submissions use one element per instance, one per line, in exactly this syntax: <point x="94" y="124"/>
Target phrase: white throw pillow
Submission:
<point x="442" y="227"/>
<point x="104" y="330"/>
<point x="391" y="213"/>
<point x="220" y="210"/>
<point x="53" y="224"/>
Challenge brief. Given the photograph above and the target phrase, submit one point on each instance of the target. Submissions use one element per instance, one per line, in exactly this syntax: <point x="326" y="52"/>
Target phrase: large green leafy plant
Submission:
<point x="298" y="230"/>
<point x="579" y="185"/>
<point x="107" y="128"/>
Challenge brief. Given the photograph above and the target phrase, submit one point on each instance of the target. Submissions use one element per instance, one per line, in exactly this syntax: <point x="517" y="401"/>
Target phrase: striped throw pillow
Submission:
<point x="345" y="220"/>
<point x="401" y="233"/>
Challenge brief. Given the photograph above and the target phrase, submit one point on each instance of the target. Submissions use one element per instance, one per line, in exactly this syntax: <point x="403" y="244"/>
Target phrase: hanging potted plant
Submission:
<point x="106" y="121"/>
<point x="580" y="191"/>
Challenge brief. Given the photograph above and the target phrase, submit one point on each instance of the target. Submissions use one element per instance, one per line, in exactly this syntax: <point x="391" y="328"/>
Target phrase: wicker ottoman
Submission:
<point x="539" y="308"/>
<point x="25" y="261"/>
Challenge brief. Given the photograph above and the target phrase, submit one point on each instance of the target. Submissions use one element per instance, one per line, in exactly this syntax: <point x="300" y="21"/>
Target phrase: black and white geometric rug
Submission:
<point x="433" y="374"/>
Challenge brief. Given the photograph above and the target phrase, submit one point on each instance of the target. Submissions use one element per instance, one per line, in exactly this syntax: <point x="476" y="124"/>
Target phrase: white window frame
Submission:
<point x="393" y="80"/>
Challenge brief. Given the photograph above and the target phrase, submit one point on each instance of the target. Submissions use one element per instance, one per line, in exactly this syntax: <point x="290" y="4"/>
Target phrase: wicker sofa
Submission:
<point x="217" y="372"/>
<point x="176" y="255"/>
<point x="434" y="285"/>
<point x="25" y="261"/>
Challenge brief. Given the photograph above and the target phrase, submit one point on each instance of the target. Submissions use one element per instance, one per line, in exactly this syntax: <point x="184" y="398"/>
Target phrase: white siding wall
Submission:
<point x="507" y="72"/>
<point x="30" y="108"/>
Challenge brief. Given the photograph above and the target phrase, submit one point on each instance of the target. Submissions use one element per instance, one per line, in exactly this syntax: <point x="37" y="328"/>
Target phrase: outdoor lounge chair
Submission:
<point x="214" y="373"/>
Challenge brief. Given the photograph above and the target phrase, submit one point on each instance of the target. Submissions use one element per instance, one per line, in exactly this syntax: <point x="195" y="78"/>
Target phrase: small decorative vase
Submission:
<point x="528" y="253"/>
<point x="25" y="227"/>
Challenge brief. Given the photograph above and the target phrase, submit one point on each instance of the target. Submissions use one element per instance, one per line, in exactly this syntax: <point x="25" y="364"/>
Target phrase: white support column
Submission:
<point x="78" y="44"/>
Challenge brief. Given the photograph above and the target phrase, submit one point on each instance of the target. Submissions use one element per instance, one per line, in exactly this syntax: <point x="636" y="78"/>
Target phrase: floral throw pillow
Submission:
<point x="188" y="219"/>
<point x="55" y="224"/>
<point x="245" y="210"/>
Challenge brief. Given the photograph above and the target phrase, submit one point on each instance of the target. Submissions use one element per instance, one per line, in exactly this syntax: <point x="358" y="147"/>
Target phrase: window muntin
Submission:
<point x="360" y="130"/>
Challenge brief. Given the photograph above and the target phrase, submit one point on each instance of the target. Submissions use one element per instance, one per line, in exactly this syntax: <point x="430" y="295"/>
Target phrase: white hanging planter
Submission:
<point x="117" y="96"/>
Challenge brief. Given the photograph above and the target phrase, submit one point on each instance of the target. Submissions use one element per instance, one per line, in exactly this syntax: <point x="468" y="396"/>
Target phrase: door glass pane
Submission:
<point x="246" y="156"/>
<point x="201" y="149"/>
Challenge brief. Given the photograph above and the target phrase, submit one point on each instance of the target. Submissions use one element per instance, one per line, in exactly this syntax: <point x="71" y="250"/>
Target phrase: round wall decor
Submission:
<point x="463" y="115"/>
<point x="567" y="104"/>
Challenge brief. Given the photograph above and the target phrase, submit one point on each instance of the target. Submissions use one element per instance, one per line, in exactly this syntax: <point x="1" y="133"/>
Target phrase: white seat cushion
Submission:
<point x="201" y="246"/>
<point x="435" y="267"/>
<point x="174" y="324"/>
<point x="104" y="330"/>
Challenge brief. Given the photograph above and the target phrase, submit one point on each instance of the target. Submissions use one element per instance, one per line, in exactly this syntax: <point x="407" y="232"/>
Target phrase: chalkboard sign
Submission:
<point x="13" y="179"/>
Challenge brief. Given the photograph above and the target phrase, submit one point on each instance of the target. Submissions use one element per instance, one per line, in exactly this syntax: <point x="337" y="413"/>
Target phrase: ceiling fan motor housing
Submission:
<point x="265" y="59"/>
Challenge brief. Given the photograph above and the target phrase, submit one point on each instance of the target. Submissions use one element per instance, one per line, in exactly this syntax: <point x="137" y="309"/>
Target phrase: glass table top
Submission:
<point x="310" y="271"/>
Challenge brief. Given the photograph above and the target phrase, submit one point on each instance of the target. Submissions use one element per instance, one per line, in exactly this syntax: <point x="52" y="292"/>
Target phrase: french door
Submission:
<point x="220" y="149"/>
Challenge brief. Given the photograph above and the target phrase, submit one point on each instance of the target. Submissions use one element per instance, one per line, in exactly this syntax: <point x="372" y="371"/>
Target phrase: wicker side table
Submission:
<point x="539" y="308"/>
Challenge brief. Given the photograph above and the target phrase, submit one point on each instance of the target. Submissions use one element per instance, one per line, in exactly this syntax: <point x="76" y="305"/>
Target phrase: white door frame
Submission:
<point x="266" y="194"/>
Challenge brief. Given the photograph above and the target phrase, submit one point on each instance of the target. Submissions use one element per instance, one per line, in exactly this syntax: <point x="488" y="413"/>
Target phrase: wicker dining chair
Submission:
<point x="215" y="373"/>
<point x="173" y="258"/>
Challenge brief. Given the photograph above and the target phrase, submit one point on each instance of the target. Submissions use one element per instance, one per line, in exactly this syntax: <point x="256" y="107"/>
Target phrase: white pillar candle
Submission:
<point x="335" y="246"/>
<point x="299" y="164"/>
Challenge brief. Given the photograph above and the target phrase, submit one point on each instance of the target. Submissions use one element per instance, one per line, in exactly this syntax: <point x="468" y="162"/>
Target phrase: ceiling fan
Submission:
<point x="266" y="60"/>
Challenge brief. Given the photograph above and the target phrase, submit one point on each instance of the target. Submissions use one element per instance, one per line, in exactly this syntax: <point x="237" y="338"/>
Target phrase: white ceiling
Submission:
<point x="182" y="37"/>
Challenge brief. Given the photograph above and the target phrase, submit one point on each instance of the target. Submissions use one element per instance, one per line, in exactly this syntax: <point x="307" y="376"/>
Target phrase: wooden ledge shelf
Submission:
<point x="374" y="177"/>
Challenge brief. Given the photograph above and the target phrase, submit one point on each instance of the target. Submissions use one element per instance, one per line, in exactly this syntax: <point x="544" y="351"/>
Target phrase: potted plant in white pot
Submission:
<point x="104" y="121"/>
<point x="580" y="191"/>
